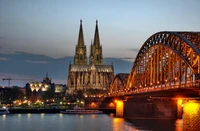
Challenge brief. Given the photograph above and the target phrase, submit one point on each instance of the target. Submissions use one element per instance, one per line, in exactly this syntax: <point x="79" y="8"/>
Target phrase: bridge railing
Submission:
<point x="155" y="88"/>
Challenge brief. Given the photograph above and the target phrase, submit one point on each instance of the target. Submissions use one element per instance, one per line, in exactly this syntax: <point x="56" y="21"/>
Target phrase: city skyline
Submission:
<point x="51" y="28"/>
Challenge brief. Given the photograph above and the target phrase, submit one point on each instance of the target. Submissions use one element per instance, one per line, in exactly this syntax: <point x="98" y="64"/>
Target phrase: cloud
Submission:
<point x="131" y="59"/>
<point x="3" y="58"/>
<point x="128" y="58"/>
<point x="7" y="51"/>
<point x="133" y="49"/>
<point x="37" y="62"/>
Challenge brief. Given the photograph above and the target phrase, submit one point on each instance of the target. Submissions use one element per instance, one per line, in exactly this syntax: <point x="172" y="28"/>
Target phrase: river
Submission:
<point x="100" y="122"/>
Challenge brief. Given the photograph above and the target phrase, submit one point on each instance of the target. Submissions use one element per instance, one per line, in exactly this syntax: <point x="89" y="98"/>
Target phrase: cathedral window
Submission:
<point x="81" y="57"/>
<point x="97" y="57"/>
<point x="99" y="76"/>
<point x="94" y="79"/>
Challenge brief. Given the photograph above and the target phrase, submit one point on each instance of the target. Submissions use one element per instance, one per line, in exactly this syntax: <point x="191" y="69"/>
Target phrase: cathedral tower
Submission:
<point x="95" y="75"/>
<point x="96" y="56"/>
<point x="80" y="57"/>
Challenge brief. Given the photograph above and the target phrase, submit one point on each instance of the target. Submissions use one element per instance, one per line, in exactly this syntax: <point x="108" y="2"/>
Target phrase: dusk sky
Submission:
<point x="50" y="27"/>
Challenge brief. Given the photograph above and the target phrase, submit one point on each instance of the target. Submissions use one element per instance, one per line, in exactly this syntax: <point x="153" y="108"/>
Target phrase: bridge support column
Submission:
<point x="119" y="108"/>
<point x="179" y="108"/>
<point x="191" y="116"/>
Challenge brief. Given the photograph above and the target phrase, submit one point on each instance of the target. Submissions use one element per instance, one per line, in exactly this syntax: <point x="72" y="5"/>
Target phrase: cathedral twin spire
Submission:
<point x="96" y="35"/>
<point x="80" y="57"/>
<point x="80" y="37"/>
<point x="96" y="57"/>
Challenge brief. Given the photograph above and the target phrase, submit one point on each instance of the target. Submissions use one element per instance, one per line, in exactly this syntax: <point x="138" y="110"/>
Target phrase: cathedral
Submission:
<point x="93" y="75"/>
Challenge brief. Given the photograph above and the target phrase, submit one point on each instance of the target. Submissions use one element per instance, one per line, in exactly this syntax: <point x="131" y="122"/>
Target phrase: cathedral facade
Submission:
<point x="93" y="75"/>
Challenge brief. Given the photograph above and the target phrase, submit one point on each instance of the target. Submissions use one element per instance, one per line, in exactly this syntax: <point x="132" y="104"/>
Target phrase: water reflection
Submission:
<point x="179" y="125"/>
<point x="149" y="124"/>
<point x="42" y="115"/>
<point x="93" y="116"/>
<point x="80" y="116"/>
<point x="19" y="116"/>
<point x="119" y="124"/>
<point x="3" y="117"/>
<point x="62" y="122"/>
<point x="28" y="116"/>
<point x="61" y="115"/>
<point x="112" y="115"/>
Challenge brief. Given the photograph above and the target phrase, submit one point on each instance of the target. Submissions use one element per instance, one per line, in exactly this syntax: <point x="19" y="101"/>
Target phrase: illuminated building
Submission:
<point x="95" y="75"/>
<point x="43" y="86"/>
<point x="37" y="88"/>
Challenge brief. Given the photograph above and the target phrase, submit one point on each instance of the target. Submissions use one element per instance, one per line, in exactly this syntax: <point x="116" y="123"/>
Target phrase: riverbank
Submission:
<point x="48" y="110"/>
<point x="34" y="110"/>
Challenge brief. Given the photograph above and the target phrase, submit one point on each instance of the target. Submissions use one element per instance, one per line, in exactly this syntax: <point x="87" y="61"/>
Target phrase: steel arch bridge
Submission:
<point x="118" y="83"/>
<point x="166" y="60"/>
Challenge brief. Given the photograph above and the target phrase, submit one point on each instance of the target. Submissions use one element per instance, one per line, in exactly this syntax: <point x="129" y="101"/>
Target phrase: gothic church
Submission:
<point x="95" y="75"/>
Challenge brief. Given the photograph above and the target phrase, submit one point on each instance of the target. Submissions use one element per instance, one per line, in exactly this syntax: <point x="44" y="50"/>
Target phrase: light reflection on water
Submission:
<point x="42" y="115"/>
<point x="179" y="125"/>
<point x="19" y="116"/>
<point x="120" y="123"/>
<point x="3" y="117"/>
<point x="63" y="122"/>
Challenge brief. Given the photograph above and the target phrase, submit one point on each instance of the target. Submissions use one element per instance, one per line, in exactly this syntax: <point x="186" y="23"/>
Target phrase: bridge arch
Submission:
<point x="167" y="60"/>
<point x="119" y="82"/>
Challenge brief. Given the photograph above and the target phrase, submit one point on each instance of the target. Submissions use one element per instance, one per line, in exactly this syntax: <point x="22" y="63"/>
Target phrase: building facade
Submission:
<point x="43" y="86"/>
<point x="38" y="88"/>
<point x="95" y="75"/>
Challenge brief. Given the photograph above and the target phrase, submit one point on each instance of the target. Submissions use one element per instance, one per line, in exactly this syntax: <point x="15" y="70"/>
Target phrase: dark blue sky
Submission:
<point x="50" y="27"/>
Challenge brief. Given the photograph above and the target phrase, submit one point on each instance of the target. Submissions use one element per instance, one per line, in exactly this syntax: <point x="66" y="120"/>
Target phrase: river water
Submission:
<point x="100" y="122"/>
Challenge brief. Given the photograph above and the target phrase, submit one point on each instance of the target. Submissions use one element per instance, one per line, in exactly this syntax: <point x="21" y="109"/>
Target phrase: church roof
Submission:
<point x="99" y="68"/>
<point x="104" y="68"/>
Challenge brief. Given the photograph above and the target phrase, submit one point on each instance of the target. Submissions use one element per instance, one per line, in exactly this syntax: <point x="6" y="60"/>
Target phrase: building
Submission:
<point x="43" y="86"/>
<point x="3" y="95"/>
<point x="95" y="75"/>
<point x="37" y="88"/>
<point x="9" y="95"/>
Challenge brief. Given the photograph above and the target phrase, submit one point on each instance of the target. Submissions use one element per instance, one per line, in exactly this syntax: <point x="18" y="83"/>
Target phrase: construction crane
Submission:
<point x="9" y="79"/>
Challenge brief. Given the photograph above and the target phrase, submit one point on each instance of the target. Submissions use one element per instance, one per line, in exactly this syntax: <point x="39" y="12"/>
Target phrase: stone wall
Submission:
<point x="154" y="108"/>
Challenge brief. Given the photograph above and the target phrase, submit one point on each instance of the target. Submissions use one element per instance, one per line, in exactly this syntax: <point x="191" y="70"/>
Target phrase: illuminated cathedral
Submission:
<point x="93" y="75"/>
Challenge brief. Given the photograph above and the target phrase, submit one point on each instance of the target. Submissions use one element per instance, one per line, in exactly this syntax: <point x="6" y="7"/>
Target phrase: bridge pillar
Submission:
<point x="179" y="108"/>
<point x="191" y="116"/>
<point x="119" y="108"/>
<point x="155" y="107"/>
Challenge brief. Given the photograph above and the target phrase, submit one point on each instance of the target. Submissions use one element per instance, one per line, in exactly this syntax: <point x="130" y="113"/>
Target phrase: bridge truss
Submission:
<point x="118" y="83"/>
<point x="166" y="60"/>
